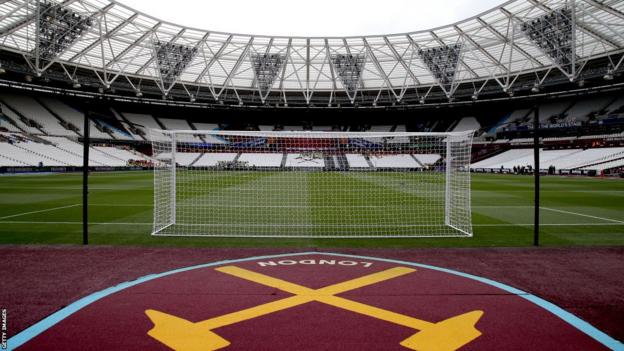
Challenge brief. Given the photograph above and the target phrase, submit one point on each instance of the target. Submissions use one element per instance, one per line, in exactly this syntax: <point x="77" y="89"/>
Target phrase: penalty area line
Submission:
<point x="40" y="211"/>
<point x="582" y="215"/>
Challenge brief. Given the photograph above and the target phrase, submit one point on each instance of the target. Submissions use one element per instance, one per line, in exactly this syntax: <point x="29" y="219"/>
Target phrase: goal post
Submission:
<point x="311" y="184"/>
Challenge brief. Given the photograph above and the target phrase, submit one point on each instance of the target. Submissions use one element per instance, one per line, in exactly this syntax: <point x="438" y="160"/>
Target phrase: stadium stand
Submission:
<point x="213" y="159"/>
<point x="567" y="159"/>
<point x="6" y="161"/>
<point x="133" y="132"/>
<point x="358" y="161"/>
<point x="262" y="160"/>
<point x="428" y="159"/>
<point x="121" y="153"/>
<point x="505" y="160"/>
<point x="304" y="160"/>
<point x="7" y="125"/>
<point x="510" y="119"/>
<point x="399" y="129"/>
<point x="98" y="155"/>
<point x="54" y="156"/>
<point x="75" y="149"/>
<point x="143" y="122"/>
<point x="606" y="165"/>
<point x="73" y="118"/>
<point x="122" y="129"/>
<point x="30" y="109"/>
<point x="552" y="112"/>
<point x="207" y="126"/>
<point x="381" y="128"/>
<point x="20" y="122"/>
<point x="586" y="157"/>
<point x="555" y="112"/>
<point x="614" y="109"/>
<point x="187" y="158"/>
<point x="276" y="160"/>
<point x="180" y="124"/>
<point x="293" y="128"/>
<point x="18" y="152"/>
<point x="466" y="124"/>
<point x="209" y="138"/>
<point x="322" y="128"/>
<point x="577" y="133"/>
<point x="394" y="161"/>
<point x="581" y="111"/>
<point x="96" y="133"/>
<point x="522" y="157"/>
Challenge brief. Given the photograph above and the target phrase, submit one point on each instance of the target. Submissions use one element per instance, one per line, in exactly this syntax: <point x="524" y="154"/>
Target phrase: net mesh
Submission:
<point x="311" y="184"/>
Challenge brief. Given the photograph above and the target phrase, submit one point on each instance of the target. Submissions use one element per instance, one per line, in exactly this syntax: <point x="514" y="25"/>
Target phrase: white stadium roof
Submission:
<point x="118" y="43"/>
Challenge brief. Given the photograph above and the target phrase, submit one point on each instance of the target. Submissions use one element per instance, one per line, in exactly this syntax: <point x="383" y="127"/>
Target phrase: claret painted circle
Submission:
<point x="312" y="301"/>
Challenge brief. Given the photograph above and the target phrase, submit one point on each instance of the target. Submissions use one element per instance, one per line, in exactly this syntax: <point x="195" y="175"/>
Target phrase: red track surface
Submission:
<point x="40" y="280"/>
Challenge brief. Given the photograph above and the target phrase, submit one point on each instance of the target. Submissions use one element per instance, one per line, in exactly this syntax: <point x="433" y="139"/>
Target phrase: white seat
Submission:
<point x="212" y="159"/>
<point x="32" y="109"/>
<point x="262" y="160"/>
<point x="394" y="161"/>
<point x="357" y="161"/>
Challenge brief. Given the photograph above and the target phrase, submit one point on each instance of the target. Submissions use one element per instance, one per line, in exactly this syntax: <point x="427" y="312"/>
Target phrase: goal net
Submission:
<point x="311" y="184"/>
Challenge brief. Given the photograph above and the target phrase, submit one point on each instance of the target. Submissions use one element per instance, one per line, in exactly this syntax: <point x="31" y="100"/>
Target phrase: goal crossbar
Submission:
<point x="312" y="134"/>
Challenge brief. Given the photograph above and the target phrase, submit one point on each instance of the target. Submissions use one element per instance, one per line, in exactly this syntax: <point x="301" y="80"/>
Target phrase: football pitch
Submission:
<point x="46" y="209"/>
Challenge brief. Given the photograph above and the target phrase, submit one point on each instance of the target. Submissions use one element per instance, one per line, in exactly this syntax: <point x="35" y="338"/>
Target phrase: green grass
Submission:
<point x="45" y="209"/>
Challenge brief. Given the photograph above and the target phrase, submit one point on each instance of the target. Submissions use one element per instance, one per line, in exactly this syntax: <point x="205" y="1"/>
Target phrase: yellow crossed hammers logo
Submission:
<point x="182" y="335"/>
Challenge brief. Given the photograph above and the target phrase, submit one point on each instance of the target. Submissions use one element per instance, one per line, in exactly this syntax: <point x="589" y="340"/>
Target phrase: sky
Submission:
<point x="312" y="17"/>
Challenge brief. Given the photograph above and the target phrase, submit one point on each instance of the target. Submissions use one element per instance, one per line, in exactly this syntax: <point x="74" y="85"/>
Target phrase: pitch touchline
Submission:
<point x="40" y="211"/>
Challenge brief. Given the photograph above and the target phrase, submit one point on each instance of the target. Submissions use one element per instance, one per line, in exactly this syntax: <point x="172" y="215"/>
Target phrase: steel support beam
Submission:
<point x="133" y="45"/>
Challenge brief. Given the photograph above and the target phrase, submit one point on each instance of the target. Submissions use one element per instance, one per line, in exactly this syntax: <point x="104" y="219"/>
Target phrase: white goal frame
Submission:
<point x="191" y="193"/>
